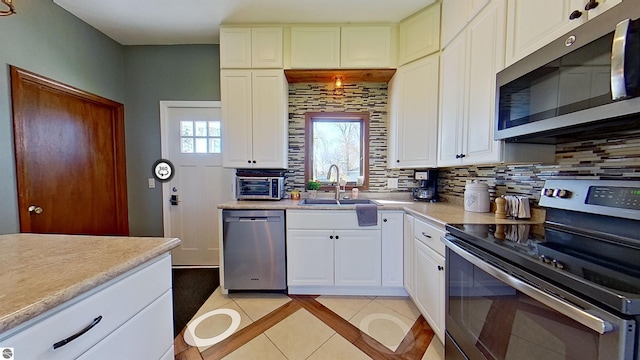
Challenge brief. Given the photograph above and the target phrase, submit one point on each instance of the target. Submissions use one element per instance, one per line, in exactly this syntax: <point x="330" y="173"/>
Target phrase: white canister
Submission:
<point x="476" y="197"/>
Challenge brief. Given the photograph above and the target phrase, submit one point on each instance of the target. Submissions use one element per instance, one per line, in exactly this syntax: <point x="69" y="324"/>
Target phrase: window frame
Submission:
<point x="363" y="117"/>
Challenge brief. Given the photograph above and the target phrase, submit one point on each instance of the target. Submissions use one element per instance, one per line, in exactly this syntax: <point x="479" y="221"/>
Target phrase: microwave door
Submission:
<point x="625" y="57"/>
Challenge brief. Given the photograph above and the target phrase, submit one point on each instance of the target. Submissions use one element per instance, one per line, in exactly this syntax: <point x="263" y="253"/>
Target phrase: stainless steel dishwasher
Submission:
<point x="254" y="250"/>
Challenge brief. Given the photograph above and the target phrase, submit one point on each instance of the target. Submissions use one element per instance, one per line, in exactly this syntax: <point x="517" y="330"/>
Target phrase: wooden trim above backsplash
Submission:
<point x="348" y="75"/>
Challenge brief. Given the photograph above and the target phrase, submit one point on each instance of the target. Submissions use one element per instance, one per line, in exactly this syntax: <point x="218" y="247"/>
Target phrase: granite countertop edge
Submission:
<point x="33" y="310"/>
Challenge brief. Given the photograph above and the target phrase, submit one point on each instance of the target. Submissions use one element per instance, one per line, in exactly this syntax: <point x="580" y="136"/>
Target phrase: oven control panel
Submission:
<point x="619" y="198"/>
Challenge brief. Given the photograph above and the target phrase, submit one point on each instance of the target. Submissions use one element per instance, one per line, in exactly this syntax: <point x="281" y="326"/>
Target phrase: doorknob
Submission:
<point x="35" y="209"/>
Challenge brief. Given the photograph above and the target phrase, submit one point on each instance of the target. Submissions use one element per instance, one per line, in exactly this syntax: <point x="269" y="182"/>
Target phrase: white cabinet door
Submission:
<point x="254" y="102"/>
<point x="415" y="116"/>
<point x="365" y="47"/>
<point x="419" y="35"/>
<point x="452" y="91"/>
<point x="485" y="45"/>
<point x="237" y="134"/>
<point x="270" y="124"/>
<point x="409" y="255"/>
<point x="310" y="257"/>
<point x="235" y="48"/>
<point x="245" y="48"/>
<point x="392" y="248"/>
<point x="430" y="291"/>
<point x="469" y="67"/>
<point x="315" y="47"/>
<point x="357" y="258"/>
<point x="456" y="14"/>
<point x="266" y="48"/>
<point x="533" y="24"/>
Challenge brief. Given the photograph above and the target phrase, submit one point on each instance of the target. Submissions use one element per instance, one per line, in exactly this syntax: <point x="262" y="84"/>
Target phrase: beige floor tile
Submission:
<point x="216" y="300"/>
<point x="400" y="304"/>
<point x="217" y="324"/>
<point x="345" y="306"/>
<point x="258" y="305"/>
<point x="435" y="351"/>
<point x="259" y="348"/>
<point x="299" y="335"/>
<point x="338" y="348"/>
<point x="383" y="324"/>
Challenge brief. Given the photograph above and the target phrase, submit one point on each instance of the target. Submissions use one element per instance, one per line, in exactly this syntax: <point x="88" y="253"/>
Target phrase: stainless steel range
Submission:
<point x="568" y="289"/>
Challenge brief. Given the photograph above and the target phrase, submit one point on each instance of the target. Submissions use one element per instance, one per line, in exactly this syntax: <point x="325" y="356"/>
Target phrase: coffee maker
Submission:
<point x="427" y="189"/>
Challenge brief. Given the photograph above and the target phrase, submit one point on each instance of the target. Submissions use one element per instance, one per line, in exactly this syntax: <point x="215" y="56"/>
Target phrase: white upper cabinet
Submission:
<point x="364" y="47"/>
<point x="413" y="115"/>
<point x="254" y="118"/>
<point x="315" y="47"/>
<point x="456" y="14"/>
<point x="467" y="91"/>
<point x="245" y="48"/>
<point x="419" y="35"/>
<point x="533" y="24"/>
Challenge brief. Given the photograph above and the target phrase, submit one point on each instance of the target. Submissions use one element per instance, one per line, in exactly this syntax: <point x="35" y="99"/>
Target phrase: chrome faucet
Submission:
<point x="337" y="177"/>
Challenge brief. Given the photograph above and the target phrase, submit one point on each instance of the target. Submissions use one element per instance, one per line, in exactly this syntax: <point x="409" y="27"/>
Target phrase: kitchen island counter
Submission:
<point x="40" y="272"/>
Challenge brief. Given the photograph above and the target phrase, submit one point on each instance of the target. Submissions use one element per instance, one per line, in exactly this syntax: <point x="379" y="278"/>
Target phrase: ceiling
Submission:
<point x="165" y="22"/>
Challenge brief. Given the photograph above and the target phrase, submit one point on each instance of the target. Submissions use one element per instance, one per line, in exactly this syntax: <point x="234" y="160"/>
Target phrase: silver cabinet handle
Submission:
<point x="618" y="48"/>
<point x="592" y="322"/>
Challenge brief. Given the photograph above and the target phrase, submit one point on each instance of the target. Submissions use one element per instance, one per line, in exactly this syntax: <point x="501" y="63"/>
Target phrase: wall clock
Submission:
<point x="163" y="170"/>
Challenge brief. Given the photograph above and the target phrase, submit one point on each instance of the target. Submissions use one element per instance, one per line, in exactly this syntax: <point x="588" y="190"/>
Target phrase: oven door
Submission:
<point x="496" y="311"/>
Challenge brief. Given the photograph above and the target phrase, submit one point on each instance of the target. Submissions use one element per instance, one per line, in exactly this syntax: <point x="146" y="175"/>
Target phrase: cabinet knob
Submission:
<point x="592" y="4"/>
<point x="385" y="220"/>
<point x="462" y="156"/>
<point x="331" y="237"/>
<point x="440" y="268"/>
<point x="254" y="161"/>
<point x="457" y="156"/>
<point x="397" y="161"/>
<point x="248" y="161"/>
<point x="337" y="237"/>
<point x="575" y="14"/>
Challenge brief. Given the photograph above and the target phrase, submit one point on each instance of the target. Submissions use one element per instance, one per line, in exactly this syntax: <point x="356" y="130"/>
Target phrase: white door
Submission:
<point x="190" y="132"/>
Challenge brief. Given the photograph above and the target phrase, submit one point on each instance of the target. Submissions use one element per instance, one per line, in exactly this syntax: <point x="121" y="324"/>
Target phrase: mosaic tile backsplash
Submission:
<point x="617" y="157"/>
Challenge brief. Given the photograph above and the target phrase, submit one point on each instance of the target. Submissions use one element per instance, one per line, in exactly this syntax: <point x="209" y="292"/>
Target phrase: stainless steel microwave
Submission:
<point x="259" y="188"/>
<point x="586" y="81"/>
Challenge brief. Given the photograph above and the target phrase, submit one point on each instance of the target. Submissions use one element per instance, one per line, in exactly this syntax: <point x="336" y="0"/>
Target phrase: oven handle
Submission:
<point x="592" y="322"/>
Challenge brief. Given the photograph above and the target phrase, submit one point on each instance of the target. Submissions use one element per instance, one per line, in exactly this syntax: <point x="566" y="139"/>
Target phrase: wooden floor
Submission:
<point x="413" y="346"/>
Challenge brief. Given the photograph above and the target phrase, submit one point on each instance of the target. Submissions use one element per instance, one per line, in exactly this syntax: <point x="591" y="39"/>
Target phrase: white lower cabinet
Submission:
<point x="429" y="292"/>
<point x="424" y="270"/>
<point x="328" y="253"/>
<point x="131" y="317"/>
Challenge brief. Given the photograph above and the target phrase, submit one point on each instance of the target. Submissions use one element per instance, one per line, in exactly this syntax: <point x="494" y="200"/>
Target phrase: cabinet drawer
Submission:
<point x="429" y="235"/>
<point x="116" y="301"/>
<point x="326" y="219"/>
<point x="146" y="336"/>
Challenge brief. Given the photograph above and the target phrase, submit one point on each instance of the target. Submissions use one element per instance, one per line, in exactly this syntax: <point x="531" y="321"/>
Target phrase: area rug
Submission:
<point x="191" y="288"/>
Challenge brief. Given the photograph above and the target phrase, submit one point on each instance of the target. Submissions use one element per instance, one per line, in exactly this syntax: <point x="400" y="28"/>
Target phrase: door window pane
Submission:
<point x="200" y="137"/>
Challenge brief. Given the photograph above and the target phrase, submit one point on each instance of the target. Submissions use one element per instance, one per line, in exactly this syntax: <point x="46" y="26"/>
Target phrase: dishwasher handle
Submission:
<point x="253" y="219"/>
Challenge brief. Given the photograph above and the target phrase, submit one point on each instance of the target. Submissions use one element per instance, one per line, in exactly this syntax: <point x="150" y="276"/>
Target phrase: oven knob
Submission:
<point x="561" y="193"/>
<point x="558" y="264"/>
<point x="547" y="192"/>
<point x="545" y="259"/>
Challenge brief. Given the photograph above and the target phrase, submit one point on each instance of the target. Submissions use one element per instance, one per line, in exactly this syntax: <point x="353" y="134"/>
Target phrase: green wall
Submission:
<point x="45" y="39"/>
<point x="154" y="73"/>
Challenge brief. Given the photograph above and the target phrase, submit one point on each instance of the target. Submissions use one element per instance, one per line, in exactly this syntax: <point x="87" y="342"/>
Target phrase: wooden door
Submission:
<point x="70" y="158"/>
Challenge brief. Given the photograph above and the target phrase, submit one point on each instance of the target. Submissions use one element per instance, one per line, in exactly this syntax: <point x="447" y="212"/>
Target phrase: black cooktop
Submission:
<point x="605" y="270"/>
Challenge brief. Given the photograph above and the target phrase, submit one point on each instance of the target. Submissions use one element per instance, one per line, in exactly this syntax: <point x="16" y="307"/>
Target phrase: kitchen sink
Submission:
<point x="328" y="202"/>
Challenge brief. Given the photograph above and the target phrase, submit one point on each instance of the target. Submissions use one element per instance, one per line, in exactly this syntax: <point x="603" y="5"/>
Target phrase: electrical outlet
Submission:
<point x="152" y="183"/>
<point x="392" y="183"/>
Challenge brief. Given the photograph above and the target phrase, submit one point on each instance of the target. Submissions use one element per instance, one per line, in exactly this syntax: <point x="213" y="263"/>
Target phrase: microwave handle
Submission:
<point x="618" y="80"/>
<point x="589" y="320"/>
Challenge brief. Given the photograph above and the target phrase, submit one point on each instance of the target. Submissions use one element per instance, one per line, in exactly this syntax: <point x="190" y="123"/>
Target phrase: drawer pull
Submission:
<point x="426" y="235"/>
<point x="64" y="342"/>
